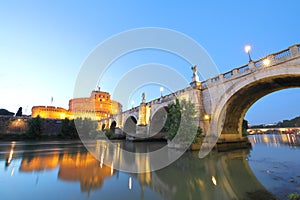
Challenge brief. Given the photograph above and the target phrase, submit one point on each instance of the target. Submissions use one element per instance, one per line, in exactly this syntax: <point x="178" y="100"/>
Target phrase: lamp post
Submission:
<point x="132" y="103"/>
<point x="161" y="89"/>
<point x="247" y="50"/>
<point x="266" y="62"/>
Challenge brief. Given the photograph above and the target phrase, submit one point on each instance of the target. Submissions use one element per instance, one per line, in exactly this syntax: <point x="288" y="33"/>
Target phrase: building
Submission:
<point x="99" y="105"/>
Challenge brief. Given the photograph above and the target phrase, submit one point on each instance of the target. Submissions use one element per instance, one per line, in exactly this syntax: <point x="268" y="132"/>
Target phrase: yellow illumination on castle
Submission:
<point x="97" y="106"/>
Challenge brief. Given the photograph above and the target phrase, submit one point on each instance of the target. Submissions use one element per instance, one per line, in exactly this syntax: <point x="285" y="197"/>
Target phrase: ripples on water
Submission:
<point x="275" y="161"/>
<point x="65" y="170"/>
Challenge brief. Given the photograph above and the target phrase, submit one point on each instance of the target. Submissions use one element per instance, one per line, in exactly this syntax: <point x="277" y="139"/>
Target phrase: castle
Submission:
<point x="99" y="105"/>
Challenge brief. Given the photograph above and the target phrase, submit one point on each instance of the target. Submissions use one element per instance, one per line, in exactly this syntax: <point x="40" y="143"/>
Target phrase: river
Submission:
<point x="66" y="170"/>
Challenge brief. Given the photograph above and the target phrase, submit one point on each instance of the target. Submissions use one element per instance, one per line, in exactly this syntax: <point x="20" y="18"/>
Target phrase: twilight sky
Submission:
<point x="43" y="45"/>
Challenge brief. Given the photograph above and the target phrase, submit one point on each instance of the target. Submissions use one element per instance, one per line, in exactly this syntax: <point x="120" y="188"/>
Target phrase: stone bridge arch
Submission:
<point x="238" y="98"/>
<point x="156" y="107"/>
<point x="113" y="125"/>
<point x="129" y="126"/>
<point x="158" y="120"/>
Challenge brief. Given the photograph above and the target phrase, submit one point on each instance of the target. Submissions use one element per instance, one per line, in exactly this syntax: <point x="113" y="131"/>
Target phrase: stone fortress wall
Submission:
<point x="98" y="106"/>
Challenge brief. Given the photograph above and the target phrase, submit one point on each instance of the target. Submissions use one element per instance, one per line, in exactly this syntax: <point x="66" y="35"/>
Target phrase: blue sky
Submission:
<point x="44" y="43"/>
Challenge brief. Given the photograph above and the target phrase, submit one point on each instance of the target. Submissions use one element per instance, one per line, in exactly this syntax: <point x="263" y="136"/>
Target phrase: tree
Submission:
<point x="182" y="121"/>
<point x="6" y="112"/>
<point x="188" y="125"/>
<point x="173" y="119"/>
<point x="295" y="122"/>
<point x="244" y="127"/>
<point x="68" y="129"/>
<point x="19" y="112"/>
<point x="35" y="128"/>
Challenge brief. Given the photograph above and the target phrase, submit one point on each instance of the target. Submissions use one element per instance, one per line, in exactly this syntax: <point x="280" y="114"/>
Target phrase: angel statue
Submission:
<point x="195" y="75"/>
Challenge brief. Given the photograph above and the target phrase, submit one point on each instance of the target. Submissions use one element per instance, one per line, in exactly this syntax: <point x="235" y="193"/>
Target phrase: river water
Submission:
<point x="66" y="170"/>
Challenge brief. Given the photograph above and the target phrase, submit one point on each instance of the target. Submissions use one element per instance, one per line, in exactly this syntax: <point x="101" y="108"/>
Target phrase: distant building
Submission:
<point x="99" y="105"/>
<point x="275" y="130"/>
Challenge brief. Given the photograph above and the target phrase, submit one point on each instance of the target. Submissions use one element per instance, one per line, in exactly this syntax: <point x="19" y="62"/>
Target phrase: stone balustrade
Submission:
<point x="274" y="59"/>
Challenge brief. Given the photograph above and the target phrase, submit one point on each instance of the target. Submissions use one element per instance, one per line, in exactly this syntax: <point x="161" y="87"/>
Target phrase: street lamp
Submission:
<point x="247" y="50"/>
<point x="132" y="103"/>
<point x="266" y="62"/>
<point x="161" y="89"/>
<point x="206" y="117"/>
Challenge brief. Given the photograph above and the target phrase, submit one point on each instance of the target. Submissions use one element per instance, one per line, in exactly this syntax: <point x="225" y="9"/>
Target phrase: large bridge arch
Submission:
<point x="113" y="125"/>
<point x="244" y="94"/>
<point x="157" y="107"/>
<point x="158" y="120"/>
<point x="130" y="124"/>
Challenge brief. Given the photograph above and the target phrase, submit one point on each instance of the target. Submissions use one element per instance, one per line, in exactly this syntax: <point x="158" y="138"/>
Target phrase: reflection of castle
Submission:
<point x="82" y="167"/>
<point x="97" y="106"/>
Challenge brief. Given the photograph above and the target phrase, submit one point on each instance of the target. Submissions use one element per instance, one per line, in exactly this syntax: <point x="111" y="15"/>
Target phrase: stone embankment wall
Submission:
<point x="19" y="125"/>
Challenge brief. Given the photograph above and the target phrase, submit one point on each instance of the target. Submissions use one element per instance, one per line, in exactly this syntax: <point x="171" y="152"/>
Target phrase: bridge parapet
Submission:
<point x="267" y="61"/>
<point x="169" y="97"/>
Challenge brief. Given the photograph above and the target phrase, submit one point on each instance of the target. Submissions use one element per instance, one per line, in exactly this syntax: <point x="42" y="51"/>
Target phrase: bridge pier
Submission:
<point x="142" y="130"/>
<point x="118" y="131"/>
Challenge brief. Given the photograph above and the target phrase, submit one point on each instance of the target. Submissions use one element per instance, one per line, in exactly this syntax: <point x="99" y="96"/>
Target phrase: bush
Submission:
<point x="68" y="129"/>
<point x="198" y="135"/>
<point x="109" y="133"/>
<point x="35" y="128"/>
<point x="294" y="196"/>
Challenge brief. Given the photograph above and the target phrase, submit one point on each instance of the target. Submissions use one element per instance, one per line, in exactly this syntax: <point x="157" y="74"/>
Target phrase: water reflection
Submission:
<point x="224" y="175"/>
<point x="10" y="156"/>
<point x="275" y="140"/>
<point x="81" y="167"/>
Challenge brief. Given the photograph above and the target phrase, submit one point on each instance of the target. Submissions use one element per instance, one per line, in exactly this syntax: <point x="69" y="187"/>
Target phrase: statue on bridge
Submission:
<point x="143" y="97"/>
<point x="195" y="75"/>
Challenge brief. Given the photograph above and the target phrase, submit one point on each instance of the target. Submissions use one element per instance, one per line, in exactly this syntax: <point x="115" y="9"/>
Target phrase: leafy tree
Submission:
<point x="6" y="112"/>
<point x="109" y="133"/>
<point x="188" y="126"/>
<point x="198" y="135"/>
<point x="244" y="127"/>
<point x="294" y="196"/>
<point x="19" y="112"/>
<point x="35" y="128"/>
<point x="173" y="119"/>
<point x="295" y="122"/>
<point x="68" y="129"/>
<point x="181" y="119"/>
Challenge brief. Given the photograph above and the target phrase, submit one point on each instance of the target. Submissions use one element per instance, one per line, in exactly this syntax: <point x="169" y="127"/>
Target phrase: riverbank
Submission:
<point x="24" y="137"/>
<point x="221" y="146"/>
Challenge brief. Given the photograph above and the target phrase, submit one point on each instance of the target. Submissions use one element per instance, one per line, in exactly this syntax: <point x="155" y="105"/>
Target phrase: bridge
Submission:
<point x="221" y="102"/>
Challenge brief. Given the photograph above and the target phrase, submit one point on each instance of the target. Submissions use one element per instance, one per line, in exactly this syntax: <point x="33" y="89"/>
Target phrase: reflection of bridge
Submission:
<point x="221" y="101"/>
<point x="295" y="130"/>
<point x="225" y="175"/>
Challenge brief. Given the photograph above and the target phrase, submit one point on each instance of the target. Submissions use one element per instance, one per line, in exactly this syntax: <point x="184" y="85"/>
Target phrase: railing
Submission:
<point x="215" y="79"/>
<point x="243" y="69"/>
<point x="227" y="74"/>
<point x="281" y="54"/>
<point x="258" y="63"/>
<point x="204" y="84"/>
